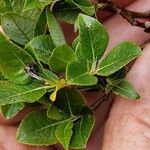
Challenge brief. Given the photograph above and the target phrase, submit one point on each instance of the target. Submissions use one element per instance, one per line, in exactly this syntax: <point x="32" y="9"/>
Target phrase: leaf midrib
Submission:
<point x="48" y="126"/>
<point x="112" y="63"/>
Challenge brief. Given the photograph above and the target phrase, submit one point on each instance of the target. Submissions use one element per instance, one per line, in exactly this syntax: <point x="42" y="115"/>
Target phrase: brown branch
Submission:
<point x="96" y="104"/>
<point x="130" y="16"/>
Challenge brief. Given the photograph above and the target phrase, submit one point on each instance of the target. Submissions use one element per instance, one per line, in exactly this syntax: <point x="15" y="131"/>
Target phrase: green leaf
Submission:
<point x="125" y="89"/>
<point x="43" y="46"/>
<point x="4" y="6"/>
<point x="75" y="42"/>
<point x="119" y="57"/>
<point x="93" y="38"/>
<point x="18" y="28"/>
<point x="9" y="111"/>
<point x="51" y="78"/>
<point x="34" y="4"/>
<point x="54" y="113"/>
<point x="2" y="77"/>
<point x="61" y="57"/>
<point x="11" y="93"/>
<point x="81" y="132"/>
<point x="67" y="13"/>
<point x="13" y="62"/>
<point x="55" y="30"/>
<point x="17" y="6"/>
<point x="41" y="25"/>
<point x="70" y="101"/>
<point x="85" y="6"/>
<point x="78" y="73"/>
<point x="37" y="129"/>
<point x="32" y="53"/>
<point x="120" y="74"/>
<point x="64" y="133"/>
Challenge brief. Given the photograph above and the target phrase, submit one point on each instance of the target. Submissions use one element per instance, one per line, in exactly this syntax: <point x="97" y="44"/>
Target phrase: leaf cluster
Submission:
<point x="38" y="68"/>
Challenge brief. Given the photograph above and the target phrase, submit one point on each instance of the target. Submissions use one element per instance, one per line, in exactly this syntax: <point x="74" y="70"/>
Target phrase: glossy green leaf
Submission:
<point x="63" y="133"/>
<point x="11" y="93"/>
<point x="119" y="57"/>
<point x="32" y="4"/>
<point x="13" y="62"/>
<point x="125" y="89"/>
<point x="37" y="129"/>
<point x="70" y="101"/>
<point x="81" y="132"/>
<point x="85" y="6"/>
<point x="55" y="30"/>
<point x="43" y="46"/>
<point x="18" y="28"/>
<point x="93" y="38"/>
<point x="54" y="113"/>
<point x="78" y="73"/>
<point x="61" y="57"/>
<point x="11" y="110"/>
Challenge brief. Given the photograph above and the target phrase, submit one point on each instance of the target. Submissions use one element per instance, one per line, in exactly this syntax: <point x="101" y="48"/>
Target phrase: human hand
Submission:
<point x="128" y="124"/>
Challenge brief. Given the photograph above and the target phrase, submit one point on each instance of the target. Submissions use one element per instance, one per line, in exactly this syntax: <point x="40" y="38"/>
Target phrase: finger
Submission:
<point x="129" y="122"/>
<point x="134" y="34"/>
<point x="8" y="140"/>
<point x="119" y="30"/>
<point x="15" y="120"/>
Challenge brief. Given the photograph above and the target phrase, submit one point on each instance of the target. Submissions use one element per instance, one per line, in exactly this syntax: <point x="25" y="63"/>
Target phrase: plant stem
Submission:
<point x="130" y="16"/>
<point x="95" y="105"/>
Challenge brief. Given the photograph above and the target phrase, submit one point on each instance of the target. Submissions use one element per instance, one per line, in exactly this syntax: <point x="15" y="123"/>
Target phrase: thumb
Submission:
<point x="128" y="125"/>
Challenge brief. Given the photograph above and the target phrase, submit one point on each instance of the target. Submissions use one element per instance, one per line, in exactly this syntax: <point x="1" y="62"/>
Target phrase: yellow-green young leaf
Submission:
<point x="85" y="6"/>
<point x="37" y="129"/>
<point x="54" y="113"/>
<point x="81" y="132"/>
<point x="125" y="89"/>
<point x="18" y="28"/>
<point x="11" y="93"/>
<point x="78" y="73"/>
<point x="43" y="46"/>
<point x="55" y="29"/>
<point x="70" y="101"/>
<point x="63" y="133"/>
<point x="93" y="38"/>
<point x="61" y="57"/>
<point x="34" y="4"/>
<point x="13" y="61"/>
<point x="119" y="57"/>
<point x="11" y="110"/>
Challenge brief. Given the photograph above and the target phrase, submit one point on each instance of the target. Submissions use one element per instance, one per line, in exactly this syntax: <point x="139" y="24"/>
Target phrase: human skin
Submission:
<point x="123" y="124"/>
